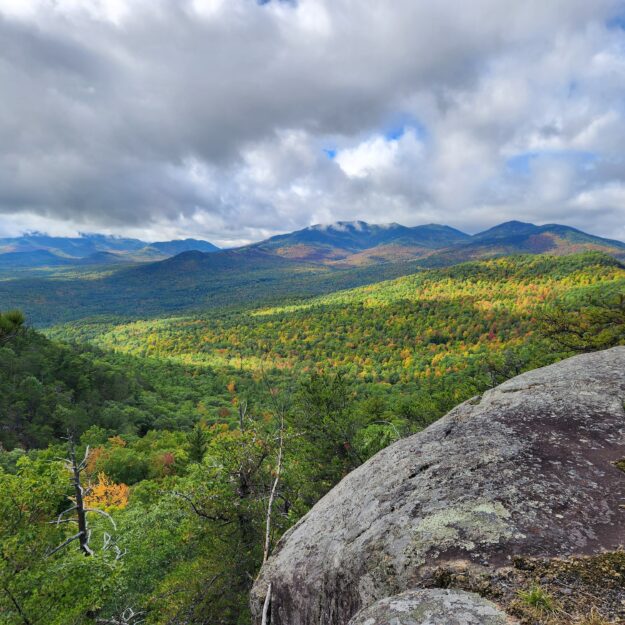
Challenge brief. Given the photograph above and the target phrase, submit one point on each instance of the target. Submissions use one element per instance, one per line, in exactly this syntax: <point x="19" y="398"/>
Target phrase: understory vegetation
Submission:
<point x="198" y="441"/>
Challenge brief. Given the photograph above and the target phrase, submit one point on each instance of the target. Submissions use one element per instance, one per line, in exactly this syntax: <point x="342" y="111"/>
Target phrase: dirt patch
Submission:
<point x="588" y="590"/>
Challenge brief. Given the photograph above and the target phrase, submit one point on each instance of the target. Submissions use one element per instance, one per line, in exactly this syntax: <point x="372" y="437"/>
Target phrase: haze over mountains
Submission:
<point x="38" y="250"/>
<point x="340" y="244"/>
<point x="101" y="275"/>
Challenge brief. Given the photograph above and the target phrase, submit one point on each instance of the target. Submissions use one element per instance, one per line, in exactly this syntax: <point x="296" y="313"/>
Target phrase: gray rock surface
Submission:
<point x="432" y="607"/>
<point x="525" y="469"/>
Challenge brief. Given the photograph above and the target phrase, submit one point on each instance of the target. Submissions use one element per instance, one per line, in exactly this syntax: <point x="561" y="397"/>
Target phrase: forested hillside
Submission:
<point x="436" y="327"/>
<point x="205" y="437"/>
<point x="192" y="281"/>
<point x="36" y="250"/>
<point x="47" y="388"/>
<point x="318" y="260"/>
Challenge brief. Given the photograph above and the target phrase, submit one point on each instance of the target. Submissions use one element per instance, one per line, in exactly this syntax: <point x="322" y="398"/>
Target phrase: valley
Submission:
<point x="187" y="382"/>
<point x="307" y="263"/>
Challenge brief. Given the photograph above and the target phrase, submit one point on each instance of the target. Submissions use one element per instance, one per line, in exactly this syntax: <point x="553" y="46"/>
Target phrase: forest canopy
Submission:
<point x="197" y="441"/>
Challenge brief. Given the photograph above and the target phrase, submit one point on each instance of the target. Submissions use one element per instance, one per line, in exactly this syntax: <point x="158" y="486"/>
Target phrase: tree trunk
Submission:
<point x="81" y="516"/>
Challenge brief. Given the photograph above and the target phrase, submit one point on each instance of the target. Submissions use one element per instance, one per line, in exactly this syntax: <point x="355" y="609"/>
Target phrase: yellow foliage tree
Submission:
<point x="107" y="495"/>
<point x="117" y="441"/>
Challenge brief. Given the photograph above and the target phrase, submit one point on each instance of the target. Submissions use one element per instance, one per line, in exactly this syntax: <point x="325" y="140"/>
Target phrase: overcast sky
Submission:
<point x="233" y="120"/>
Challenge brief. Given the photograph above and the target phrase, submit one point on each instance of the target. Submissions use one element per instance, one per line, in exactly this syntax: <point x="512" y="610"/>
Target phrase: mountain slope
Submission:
<point x="344" y="242"/>
<point x="33" y="258"/>
<point x="388" y="331"/>
<point x="515" y="237"/>
<point x="309" y="262"/>
<point x="191" y="280"/>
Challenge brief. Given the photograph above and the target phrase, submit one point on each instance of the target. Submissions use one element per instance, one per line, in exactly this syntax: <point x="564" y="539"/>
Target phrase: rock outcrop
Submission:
<point x="428" y="607"/>
<point x="526" y="469"/>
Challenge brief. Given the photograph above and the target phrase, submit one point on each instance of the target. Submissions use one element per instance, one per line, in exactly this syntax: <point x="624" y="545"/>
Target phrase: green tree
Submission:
<point x="594" y="323"/>
<point x="198" y="443"/>
<point x="11" y="322"/>
<point x="327" y="426"/>
<point x="38" y="586"/>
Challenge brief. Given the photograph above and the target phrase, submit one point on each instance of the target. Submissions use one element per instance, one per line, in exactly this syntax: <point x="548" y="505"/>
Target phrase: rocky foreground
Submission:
<point x="513" y="482"/>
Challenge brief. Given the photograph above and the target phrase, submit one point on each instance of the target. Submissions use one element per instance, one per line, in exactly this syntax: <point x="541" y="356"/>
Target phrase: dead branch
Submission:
<point x="65" y="543"/>
<point x="79" y="508"/>
<point x="104" y="514"/>
<point x="17" y="606"/>
<point x="197" y="510"/>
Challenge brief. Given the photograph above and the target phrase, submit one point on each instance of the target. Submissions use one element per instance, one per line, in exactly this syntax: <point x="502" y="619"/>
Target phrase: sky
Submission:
<point x="234" y="120"/>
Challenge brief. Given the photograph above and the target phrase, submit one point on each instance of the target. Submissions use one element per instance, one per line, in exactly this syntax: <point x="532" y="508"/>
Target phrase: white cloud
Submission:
<point x="371" y="156"/>
<point x="210" y="117"/>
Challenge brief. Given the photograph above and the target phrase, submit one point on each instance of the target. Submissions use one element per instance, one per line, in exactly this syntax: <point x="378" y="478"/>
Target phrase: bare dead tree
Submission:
<point x="79" y="509"/>
<point x="127" y="617"/>
<point x="280" y="410"/>
<point x="274" y="488"/>
<point x="266" y="618"/>
<point x="242" y="414"/>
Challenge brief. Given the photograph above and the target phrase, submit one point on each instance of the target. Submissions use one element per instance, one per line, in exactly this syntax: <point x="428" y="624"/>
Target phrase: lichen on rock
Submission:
<point x="463" y="526"/>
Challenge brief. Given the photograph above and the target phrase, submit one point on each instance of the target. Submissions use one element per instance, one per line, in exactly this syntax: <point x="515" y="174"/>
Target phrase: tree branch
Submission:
<point x="197" y="510"/>
<point x="65" y="543"/>
<point x="23" y="616"/>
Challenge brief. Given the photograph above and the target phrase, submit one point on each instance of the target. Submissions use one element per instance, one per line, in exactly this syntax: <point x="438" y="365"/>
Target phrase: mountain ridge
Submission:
<point x="357" y="243"/>
<point x="40" y="250"/>
<point x="341" y="244"/>
<point x="337" y="242"/>
<point x="516" y="237"/>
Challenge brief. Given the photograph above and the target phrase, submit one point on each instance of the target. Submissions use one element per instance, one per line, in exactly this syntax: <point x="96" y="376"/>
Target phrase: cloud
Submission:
<point x="215" y="118"/>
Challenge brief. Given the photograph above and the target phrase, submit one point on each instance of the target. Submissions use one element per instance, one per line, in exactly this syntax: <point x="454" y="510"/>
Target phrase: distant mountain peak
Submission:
<point x="341" y="226"/>
<point x="514" y="223"/>
<point x="358" y="242"/>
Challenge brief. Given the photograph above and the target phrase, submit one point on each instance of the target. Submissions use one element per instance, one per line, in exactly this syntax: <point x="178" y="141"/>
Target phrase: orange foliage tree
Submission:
<point x="106" y="494"/>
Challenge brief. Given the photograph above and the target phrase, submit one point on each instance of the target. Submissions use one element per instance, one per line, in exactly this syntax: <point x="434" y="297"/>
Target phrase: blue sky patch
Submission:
<point x="394" y="133"/>
<point x="521" y="163"/>
<point x="397" y="127"/>
<point x="617" y="22"/>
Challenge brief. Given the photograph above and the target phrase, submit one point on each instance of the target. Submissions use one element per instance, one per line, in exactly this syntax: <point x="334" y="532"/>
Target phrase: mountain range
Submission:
<point x="358" y="243"/>
<point x="369" y="251"/>
<point x="313" y="261"/>
<point x="341" y="244"/>
<point x="40" y="250"/>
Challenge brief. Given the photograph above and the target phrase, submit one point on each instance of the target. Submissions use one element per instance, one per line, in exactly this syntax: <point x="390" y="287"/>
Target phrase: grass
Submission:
<point x="538" y="598"/>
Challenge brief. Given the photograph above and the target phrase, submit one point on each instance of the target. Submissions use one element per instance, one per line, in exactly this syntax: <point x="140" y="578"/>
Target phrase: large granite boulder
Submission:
<point x="526" y="469"/>
<point x="432" y="607"/>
